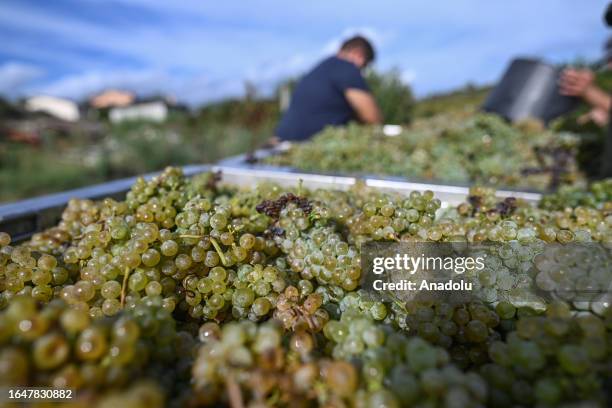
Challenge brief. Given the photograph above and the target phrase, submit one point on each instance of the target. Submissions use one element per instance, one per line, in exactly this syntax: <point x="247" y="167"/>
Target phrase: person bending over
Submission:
<point x="333" y="93"/>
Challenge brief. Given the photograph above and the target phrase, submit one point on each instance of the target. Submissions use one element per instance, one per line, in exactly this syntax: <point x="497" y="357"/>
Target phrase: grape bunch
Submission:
<point x="481" y="148"/>
<point x="314" y="249"/>
<point x="464" y="330"/>
<point x="241" y="363"/>
<point x="193" y="293"/>
<point x="391" y="218"/>
<point x="61" y="346"/>
<point x="597" y="195"/>
<point x="551" y="359"/>
<point x="400" y="368"/>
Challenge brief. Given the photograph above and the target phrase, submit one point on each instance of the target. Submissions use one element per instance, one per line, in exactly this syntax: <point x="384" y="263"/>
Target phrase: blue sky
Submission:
<point x="201" y="50"/>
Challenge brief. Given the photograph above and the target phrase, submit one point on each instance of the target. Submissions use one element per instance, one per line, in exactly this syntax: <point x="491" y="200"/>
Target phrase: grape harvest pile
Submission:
<point x="481" y="149"/>
<point x="193" y="293"/>
<point x="595" y="196"/>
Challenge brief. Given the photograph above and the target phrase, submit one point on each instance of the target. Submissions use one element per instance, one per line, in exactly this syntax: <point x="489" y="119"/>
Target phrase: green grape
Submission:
<point x="573" y="359"/>
<point x="111" y="307"/>
<point x="153" y="288"/>
<point x="91" y="344"/>
<point x="5" y="239"/>
<point x="50" y="351"/>
<point x="169" y="248"/>
<point x="243" y="297"/>
<point x="14" y="366"/>
<point x="150" y="257"/>
<point x="110" y="290"/>
<point x="261" y="306"/>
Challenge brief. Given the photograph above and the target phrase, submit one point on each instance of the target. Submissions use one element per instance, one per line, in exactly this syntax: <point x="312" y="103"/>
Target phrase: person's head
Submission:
<point x="608" y="15"/>
<point x="357" y="50"/>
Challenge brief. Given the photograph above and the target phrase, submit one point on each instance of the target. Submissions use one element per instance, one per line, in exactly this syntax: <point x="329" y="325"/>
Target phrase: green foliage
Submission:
<point x="7" y="110"/>
<point x="250" y="113"/>
<point x="393" y="96"/>
<point x="76" y="159"/>
<point x="25" y="172"/>
<point x="467" y="99"/>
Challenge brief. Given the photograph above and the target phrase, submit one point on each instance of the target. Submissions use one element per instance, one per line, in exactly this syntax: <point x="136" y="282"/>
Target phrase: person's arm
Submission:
<point x="597" y="98"/>
<point x="580" y="83"/>
<point x="598" y="116"/>
<point x="364" y="105"/>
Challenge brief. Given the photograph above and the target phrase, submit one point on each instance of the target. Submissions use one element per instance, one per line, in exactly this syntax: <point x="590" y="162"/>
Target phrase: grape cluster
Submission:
<point x="224" y="293"/>
<point x="551" y="359"/>
<point x="368" y="305"/>
<point x="60" y="346"/>
<point x="579" y="273"/>
<point x="242" y="362"/>
<point x="481" y="219"/>
<point x="464" y="330"/>
<point x="482" y="149"/>
<point x="218" y="296"/>
<point x="400" y="368"/>
<point x="316" y="251"/>
<point x="386" y="218"/>
<point x="324" y="256"/>
<point x="597" y="195"/>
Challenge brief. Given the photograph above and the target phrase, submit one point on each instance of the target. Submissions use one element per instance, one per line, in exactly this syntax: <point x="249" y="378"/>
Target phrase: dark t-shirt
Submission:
<point x="318" y="99"/>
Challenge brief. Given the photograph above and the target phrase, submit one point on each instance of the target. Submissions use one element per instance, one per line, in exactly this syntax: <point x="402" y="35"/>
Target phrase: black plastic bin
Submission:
<point x="529" y="89"/>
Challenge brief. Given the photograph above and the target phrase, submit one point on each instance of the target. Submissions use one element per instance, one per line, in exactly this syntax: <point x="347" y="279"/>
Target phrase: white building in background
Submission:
<point x="156" y="111"/>
<point x="60" y="108"/>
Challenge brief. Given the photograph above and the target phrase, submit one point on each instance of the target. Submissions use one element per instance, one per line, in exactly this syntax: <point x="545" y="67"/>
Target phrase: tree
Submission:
<point x="394" y="97"/>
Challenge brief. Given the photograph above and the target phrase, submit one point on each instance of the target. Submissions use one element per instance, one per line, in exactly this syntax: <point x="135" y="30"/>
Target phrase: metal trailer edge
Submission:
<point x="23" y="218"/>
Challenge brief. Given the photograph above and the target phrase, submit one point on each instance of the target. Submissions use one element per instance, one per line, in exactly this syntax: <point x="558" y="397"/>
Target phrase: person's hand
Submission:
<point x="575" y="82"/>
<point x="598" y="116"/>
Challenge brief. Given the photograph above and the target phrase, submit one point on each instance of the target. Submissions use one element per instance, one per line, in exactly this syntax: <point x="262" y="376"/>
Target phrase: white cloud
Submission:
<point x="15" y="77"/>
<point x="191" y="89"/>
<point x="408" y="76"/>
<point x="276" y="69"/>
<point x="217" y="46"/>
<point x="84" y="84"/>
<point x="194" y="88"/>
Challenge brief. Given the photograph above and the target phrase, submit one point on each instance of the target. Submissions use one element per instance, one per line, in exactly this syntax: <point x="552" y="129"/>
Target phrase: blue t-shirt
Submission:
<point x="318" y="100"/>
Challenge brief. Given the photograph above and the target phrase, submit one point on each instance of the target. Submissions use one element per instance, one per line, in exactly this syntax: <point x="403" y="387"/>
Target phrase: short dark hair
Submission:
<point x="362" y="44"/>
<point x="608" y="15"/>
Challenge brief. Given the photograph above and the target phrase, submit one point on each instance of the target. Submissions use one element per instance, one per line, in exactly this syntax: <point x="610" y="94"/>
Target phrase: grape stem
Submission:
<point x="126" y="274"/>
<point x="219" y="251"/>
<point x="398" y="302"/>
<point x="306" y="316"/>
<point x="233" y="393"/>
<point x="273" y="399"/>
<point x="190" y="236"/>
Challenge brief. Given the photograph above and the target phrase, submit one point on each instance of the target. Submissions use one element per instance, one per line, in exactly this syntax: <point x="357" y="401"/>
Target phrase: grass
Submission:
<point x="131" y="148"/>
<point x="467" y="99"/>
<point x="25" y="172"/>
